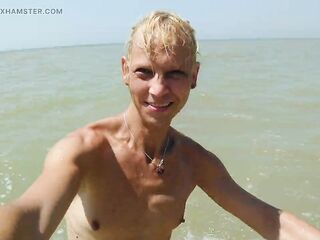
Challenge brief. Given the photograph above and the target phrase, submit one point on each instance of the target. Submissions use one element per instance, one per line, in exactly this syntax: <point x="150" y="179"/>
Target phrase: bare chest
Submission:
<point x="131" y="200"/>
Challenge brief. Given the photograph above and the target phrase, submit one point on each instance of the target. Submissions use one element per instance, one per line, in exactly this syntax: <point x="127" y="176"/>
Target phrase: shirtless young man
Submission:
<point x="129" y="176"/>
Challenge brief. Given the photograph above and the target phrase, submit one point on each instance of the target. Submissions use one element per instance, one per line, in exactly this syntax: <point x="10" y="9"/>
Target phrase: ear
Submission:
<point x="125" y="70"/>
<point x="195" y="72"/>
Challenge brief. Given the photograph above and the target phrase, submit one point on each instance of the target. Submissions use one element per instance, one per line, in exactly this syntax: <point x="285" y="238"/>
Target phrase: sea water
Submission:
<point x="256" y="106"/>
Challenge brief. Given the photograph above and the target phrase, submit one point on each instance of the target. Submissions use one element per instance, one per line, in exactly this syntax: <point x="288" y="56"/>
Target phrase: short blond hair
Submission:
<point x="167" y="28"/>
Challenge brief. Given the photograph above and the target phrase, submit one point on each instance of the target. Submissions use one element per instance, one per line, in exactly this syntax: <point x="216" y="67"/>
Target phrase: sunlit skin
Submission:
<point x="164" y="80"/>
<point x="100" y="177"/>
<point x="141" y="204"/>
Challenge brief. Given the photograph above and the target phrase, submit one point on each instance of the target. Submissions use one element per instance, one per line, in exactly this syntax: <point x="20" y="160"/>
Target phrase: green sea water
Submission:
<point x="256" y="106"/>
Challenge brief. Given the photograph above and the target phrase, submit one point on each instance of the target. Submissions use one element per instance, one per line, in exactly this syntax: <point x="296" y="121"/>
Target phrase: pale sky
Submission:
<point x="103" y="21"/>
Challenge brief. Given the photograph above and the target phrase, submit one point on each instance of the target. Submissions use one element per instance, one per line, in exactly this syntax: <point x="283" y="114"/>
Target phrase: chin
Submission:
<point x="158" y="120"/>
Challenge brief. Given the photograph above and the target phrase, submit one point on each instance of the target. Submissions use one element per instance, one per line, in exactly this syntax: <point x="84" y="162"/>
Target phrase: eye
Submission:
<point x="144" y="73"/>
<point x="176" y="74"/>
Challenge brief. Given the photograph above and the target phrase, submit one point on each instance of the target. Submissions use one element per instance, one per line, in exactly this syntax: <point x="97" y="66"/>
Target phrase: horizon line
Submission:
<point x="123" y="43"/>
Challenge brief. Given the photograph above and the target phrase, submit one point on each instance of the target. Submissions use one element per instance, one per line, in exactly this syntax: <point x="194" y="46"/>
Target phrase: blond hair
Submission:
<point x="165" y="28"/>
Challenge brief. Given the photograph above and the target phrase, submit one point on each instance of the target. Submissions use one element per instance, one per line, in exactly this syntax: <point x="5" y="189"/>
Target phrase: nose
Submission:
<point x="158" y="86"/>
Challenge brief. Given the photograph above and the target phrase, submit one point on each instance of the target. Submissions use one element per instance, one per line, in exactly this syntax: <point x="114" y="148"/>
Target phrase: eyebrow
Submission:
<point x="143" y="69"/>
<point x="149" y="69"/>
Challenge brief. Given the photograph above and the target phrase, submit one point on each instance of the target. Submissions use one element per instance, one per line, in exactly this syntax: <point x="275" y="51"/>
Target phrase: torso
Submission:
<point x="122" y="196"/>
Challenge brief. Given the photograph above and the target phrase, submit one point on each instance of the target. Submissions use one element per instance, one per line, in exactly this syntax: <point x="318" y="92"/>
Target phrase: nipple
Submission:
<point x="95" y="225"/>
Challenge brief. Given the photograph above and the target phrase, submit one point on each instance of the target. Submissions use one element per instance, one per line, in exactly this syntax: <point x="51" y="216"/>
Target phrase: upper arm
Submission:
<point x="49" y="197"/>
<point x="215" y="180"/>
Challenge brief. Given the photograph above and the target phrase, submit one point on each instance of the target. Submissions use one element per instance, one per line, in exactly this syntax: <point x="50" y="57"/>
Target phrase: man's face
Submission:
<point x="159" y="85"/>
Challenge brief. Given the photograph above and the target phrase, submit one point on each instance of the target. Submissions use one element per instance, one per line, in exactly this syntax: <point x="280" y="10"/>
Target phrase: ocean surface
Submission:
<point x="256" y="106"/>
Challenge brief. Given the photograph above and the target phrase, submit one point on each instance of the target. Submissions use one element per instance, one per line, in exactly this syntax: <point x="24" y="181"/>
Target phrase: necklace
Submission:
<point x="160" y="165"/>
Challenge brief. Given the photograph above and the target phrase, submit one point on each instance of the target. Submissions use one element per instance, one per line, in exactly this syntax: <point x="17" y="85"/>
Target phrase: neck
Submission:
<point x="145" y="136"/>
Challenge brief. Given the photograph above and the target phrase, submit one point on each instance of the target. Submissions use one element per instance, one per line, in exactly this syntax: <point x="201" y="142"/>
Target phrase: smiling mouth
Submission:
<point x="158" y="106"/>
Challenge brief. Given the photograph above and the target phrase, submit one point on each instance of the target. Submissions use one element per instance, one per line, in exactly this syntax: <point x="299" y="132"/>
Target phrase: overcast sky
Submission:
<point x="103" y="21"/>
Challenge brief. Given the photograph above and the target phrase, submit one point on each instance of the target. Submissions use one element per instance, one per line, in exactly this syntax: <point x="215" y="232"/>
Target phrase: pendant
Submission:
<point x="160" y="168"/>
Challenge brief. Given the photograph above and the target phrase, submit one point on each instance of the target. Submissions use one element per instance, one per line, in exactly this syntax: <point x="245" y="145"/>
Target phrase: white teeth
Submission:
<point x="159" y="105"/>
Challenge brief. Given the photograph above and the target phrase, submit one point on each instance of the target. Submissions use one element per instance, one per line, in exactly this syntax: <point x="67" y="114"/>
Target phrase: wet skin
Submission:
<point x="121" y="195"/>
<point x="101" y="177"/>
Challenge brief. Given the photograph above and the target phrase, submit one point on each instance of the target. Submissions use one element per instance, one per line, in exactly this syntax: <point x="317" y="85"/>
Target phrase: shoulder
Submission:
<point x="77" y="147"/>
<point x="80" y="141"/>
<point x="192" y="148"/>
<point x="206" y="164"/>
